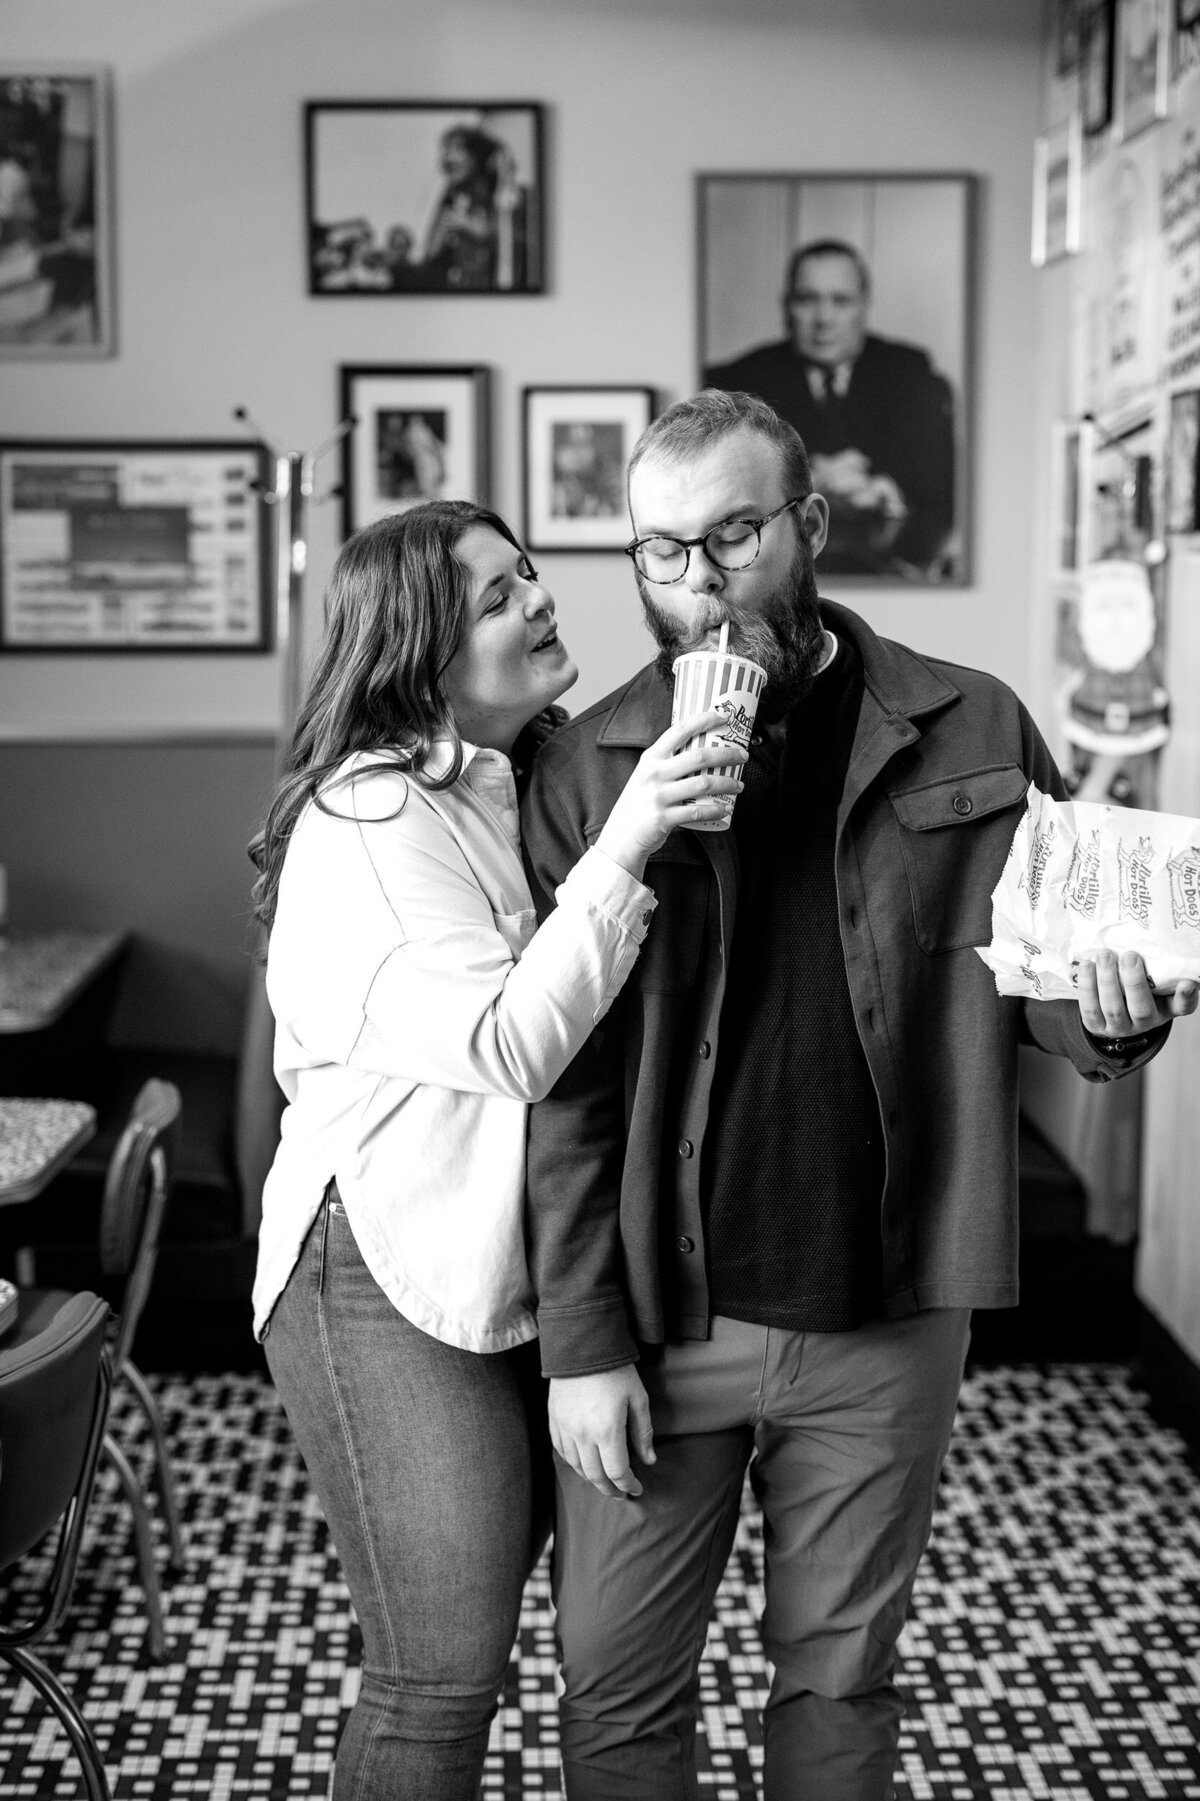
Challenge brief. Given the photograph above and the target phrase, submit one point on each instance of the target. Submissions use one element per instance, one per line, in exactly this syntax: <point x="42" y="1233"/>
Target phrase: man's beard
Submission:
<point x="784" y="635"/>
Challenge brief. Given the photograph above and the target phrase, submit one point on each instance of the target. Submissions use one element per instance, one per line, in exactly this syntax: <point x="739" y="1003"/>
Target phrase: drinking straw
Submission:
<point x="723" y="646"/>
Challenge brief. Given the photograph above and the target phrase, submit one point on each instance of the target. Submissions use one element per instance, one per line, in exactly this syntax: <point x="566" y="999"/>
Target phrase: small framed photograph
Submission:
<point x="884" y="398"/>
<point x="1057" y="192"/>
<point x="577" y="444"/>
<point x="1070" y="487"/>
<point x="1143" y="65"/>
<point x="1096" y="66"/>
<point x="1183" y="463"/>
<point x="134" y="546"/>
<point x="420" y="433"/>
<point x="424" y="197"/>
<point x="56" y="236"/>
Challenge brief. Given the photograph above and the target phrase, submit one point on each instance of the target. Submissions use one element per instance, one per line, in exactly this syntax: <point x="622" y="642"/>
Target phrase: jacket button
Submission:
<point x="685" y="1147"/>
<point x="684" y="1243"/>
<point x="706" y="1050"/>
<point x="963" y="804"/>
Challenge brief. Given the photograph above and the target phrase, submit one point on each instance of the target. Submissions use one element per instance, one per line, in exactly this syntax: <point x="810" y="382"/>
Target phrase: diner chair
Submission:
<point x="137" y="1186"/>
<point x="199" y="1315"/>
<point x="55" y="1383"/>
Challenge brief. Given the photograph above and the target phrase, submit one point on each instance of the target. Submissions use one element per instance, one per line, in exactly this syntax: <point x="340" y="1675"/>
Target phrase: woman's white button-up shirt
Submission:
<point x="417" y="1013"/>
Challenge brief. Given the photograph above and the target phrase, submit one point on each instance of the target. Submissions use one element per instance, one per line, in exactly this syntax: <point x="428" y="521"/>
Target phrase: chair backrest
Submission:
<point x="53" y="1404"/>
<point x="259" y="1104"/>
<point x="136" y="1189"/>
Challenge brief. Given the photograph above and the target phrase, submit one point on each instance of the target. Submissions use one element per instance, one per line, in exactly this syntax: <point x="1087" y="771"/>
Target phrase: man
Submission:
<point x="766" y="1195"/>
<point x="875" y="417"/>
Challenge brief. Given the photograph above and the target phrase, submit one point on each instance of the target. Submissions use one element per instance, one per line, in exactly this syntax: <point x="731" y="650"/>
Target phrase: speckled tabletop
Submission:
<point x="37" y="1137"/>
<point x="41" y="975"/>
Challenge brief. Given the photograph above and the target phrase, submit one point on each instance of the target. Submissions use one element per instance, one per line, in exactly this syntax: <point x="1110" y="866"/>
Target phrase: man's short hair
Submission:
<point x="829" y="247"/>
<point x="687" y="429"/>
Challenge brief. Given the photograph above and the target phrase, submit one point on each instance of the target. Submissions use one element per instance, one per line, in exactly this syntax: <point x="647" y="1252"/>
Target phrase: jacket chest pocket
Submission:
<point x="682" y="881"/>
<point x="955" y="835"/>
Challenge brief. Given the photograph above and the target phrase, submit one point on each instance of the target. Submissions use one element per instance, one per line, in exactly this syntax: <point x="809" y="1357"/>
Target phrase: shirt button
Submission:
<point x="963" y="804"/>
<point x="706" y="1050"/>
<point x="647" y="916"/>
<point x="684" y="1243"/>
<point x="756" y="738"/>
<point x="685" y="1147"/>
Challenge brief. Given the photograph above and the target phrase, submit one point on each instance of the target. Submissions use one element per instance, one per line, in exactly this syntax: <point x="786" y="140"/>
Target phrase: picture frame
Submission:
<point x="1070" y="490"/>
<point x="421" y="432"/>
<point x="1142" y="66"/>
<point x="891" y="444"/>
<point x="424" y="197"/>
<point x="56" y="237"/>
<point x="1057" y="192"/>
<point x="1097" y="65"/>
<point x="1183" y="462"/>
<point x="576" y="444"/>
<point x="134" y="546"/>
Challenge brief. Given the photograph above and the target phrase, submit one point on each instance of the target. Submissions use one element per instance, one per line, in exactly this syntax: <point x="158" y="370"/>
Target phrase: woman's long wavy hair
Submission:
<point x="395" y="612"/>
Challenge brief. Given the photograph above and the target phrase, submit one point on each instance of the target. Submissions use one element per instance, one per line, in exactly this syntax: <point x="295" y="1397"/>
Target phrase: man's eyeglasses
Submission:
<point x="733" y="544"/>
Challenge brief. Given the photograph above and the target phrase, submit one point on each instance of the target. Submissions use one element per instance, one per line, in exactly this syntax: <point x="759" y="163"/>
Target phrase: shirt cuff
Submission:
<point x="597" y="879"/>
<point x="1134" y="1046"/>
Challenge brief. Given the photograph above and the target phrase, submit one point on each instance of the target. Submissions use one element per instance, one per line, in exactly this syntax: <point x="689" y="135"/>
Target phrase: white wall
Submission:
<point x="212" y="303"/>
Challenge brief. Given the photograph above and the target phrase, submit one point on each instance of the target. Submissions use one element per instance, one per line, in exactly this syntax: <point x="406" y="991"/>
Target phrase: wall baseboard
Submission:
<point x="1170" y="1378"/>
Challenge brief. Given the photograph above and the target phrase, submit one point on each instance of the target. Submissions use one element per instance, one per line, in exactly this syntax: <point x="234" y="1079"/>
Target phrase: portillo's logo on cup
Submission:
<point x="718" y="678"/>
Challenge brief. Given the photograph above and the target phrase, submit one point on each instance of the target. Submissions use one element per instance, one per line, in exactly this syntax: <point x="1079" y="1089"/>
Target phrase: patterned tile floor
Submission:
<point x="1054" y="1648"/>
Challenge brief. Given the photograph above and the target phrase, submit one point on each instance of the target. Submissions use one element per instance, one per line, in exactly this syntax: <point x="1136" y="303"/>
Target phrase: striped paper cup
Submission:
<point x="718" y="678"/>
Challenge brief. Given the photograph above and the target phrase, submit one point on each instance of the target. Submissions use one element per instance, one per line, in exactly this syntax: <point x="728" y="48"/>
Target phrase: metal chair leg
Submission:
<point x="76" y="1727"/>
<point x="177" y="1561"/>
<point x="144" y="1538"/>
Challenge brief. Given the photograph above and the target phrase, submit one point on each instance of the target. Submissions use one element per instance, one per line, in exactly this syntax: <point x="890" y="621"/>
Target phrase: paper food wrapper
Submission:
<point x="1082" y="877"/>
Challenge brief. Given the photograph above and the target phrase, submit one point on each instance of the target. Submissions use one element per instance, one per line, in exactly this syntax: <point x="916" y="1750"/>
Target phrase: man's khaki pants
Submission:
<point x="844" y="1435"/>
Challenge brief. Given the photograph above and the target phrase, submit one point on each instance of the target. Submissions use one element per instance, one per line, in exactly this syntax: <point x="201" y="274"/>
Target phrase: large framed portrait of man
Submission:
<point x="846" y="302"/>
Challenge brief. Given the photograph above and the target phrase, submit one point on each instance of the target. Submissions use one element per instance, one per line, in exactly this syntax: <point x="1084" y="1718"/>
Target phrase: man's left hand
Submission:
<point x="1117" y="1001"/>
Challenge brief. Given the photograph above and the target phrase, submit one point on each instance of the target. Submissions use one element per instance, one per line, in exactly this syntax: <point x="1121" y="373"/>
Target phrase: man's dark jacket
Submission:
<point x="897" y="410"/>
<point x="939" y="769"/>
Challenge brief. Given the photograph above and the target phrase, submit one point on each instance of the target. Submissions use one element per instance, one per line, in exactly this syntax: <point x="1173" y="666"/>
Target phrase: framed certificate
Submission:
<point x="138" y="546"/>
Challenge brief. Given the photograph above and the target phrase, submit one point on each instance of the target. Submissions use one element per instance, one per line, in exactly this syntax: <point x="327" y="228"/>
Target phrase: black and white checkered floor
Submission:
<point x="1054" y="1649"/>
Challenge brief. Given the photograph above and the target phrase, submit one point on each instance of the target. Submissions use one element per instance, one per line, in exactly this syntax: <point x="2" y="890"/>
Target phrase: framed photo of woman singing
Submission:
<point x="424" y="197"/>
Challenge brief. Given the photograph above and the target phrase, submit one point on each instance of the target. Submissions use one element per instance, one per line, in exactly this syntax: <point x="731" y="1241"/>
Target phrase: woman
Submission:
<point x="417" y="1013"/>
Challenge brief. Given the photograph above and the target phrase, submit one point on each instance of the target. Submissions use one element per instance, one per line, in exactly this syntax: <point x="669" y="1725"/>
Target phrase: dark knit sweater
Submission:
<point x="794" y="1170"/>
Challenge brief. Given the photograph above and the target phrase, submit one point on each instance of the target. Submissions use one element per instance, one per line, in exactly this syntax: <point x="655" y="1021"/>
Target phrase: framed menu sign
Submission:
<point x="153" y="546"/>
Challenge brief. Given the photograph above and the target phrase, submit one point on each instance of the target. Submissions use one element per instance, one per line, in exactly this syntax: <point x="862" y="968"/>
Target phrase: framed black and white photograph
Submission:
<point x="424" y="197"/>
<point x="134" y="546"/>
<point x="577" y="443"/>
<point x="419" y="433"/>
<point x="815" y="293"/>
<point x="1057" y="192"/>
<point x="1183" y="462"/>
<point x="56" y="238"/>
<point x="1097" y="64"/>
<point x="1070" y="487"/>
<point x="1142" y="66"/>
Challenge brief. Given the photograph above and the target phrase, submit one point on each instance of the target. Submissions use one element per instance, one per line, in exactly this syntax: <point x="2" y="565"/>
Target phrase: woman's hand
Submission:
<point x="671" y="787"/>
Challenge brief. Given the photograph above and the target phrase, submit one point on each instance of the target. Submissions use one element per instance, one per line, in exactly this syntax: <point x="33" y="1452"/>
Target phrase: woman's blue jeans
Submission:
<point x="423" y="1458"/>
